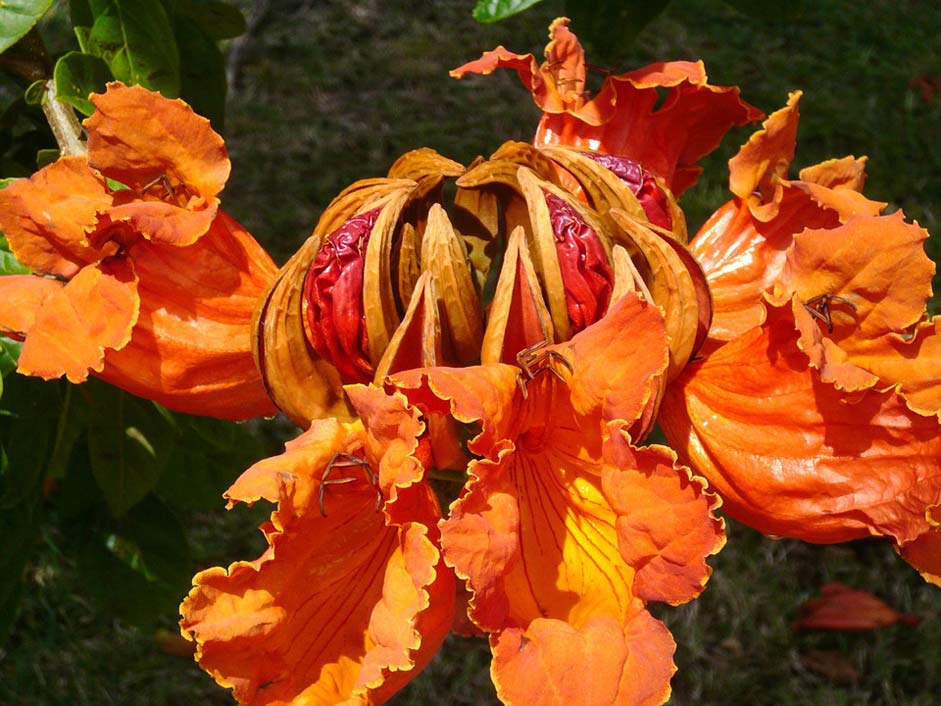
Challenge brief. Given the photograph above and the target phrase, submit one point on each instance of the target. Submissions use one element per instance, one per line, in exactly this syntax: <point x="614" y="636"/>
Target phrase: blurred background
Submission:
<point x="324" y="93"/>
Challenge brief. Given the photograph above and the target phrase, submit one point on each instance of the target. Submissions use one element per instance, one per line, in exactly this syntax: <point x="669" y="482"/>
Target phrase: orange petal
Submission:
<point x="192" y="347"/>
<point x="302" y="384"/>
<point x="392" y="431"/>
<point x="136" y="136"/>
<point x="762" y="163"/>
<point x="668" y="140"/>
<point x="910" y="360"/>
<point x="340" y="606"/>
<point x="165" y="222"/>
<point x="518" y="316"/>
<point x="534" y="535"/>
<point x="844" y="173"/>
<point x="21" y="298"/>
<point x="621" y="119"/>
<point x="94" y="312"/>
<point x="601" y="663"/>
<point x="793" y="456"/>
<point x="666" y="523"/>
<point x="861" y="261"/>
<point x="545" y="94"/>
<point x="743" y="257"/>
<point x="859" y="264"/>
<point x="46" y="218"/>
<point x="924" y="552"/>
<point x="618" y="365"/>
<point x="845" y="608"/>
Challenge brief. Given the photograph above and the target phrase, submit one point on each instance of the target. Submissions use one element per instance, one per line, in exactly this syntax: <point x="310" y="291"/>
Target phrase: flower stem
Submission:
<point x="62" y="120"/>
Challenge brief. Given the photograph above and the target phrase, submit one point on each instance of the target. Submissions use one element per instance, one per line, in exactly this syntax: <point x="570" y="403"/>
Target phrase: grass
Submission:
<point x="334" y="92"/>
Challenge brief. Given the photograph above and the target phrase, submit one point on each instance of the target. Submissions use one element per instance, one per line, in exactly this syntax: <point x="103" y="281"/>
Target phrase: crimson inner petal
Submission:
<point x="652" y="198"/>
<point x="333" y="294"/>
<point x="586" y="273"/>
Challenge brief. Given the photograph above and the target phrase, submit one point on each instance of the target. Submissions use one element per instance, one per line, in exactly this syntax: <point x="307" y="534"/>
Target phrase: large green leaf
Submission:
<point x="17" y="17"/>
<point x="135" y="38"/>
<point x="496" y="10"/>
<point x="202" y="72"/>
<point x="79" y="75"/>
<point x="129" y="443"/>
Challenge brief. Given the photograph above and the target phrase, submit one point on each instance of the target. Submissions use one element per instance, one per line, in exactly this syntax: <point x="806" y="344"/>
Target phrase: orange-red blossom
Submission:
<point x="518" y="340"/>
<point x="564" y="531"/>
<point x="138" y="276"/>
<point x="815" y="412"/>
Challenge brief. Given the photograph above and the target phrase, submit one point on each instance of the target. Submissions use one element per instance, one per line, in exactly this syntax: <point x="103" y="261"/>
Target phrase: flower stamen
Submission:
<point x="819" y="308"/>
<point x="346" y="460"/>
<point x="537" y="359"/>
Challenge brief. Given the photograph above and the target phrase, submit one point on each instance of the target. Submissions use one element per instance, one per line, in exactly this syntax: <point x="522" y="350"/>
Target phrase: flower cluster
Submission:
<point x="477" y="373"/>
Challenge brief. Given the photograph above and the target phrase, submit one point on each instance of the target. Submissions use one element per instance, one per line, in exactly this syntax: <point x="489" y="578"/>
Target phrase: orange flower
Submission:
<point x="621" y="119"/>
<point x="815" y="413"/>
<point x="139" y="277"/>
<point x="566" y="529"/>
<point x="348" y="602"/>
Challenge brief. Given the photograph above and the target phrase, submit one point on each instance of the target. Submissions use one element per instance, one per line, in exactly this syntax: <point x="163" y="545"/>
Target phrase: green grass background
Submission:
<point x="335" y="91"/>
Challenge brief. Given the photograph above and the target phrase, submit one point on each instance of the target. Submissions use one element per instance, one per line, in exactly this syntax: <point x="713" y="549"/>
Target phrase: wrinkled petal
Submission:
<point x="21" y="299"/>
<point x="618" y="365"/>
<point x="46" y="218"/>
<point x="137" y="136"/>
<point x="192" y="347"/>
<point x="742" y="257"/>
<point x="756" y="173"/>
<point x="791" y="455"/>
<point x="621" y="119"/>
<point x="668" y="140"/>
<point x="603" y="662"/>
<point x="861" y="262"/>
<point x="843" y="608"/>
<point x="666" y="519"/>
<point x="910" y="361"/>
<point x="165" y="222"/>
<point x="843" y="173"/>
<point x="924" y="552"/>
<point x="340" y="606"/>
<point x="76" y="324"/>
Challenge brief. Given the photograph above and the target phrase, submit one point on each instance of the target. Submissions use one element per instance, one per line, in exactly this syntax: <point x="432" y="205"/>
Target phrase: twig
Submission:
<point x="62" y="120"/>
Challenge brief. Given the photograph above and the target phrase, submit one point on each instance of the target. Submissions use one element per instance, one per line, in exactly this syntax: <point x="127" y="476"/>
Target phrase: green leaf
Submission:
<point x="135" y="39"/>
<point x="9" y="265"/>
<point x="35" y="93"/>
<point x="17" y="17"/>
<point x="208" y="456"/>
<point x="495" y="10"/>
<point x="27" y="436"/>
<point x="607" y="27"/>
<point x="202" y="75"/>
<point x="77" y="76"/>
<point x="129" y="443"/>
<point x="120" y="590"/>
<point x="45" y="157"/>
<point x="9" y="354"/>
<point x="158" y="542"/>
<point x="217" y="19"/>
